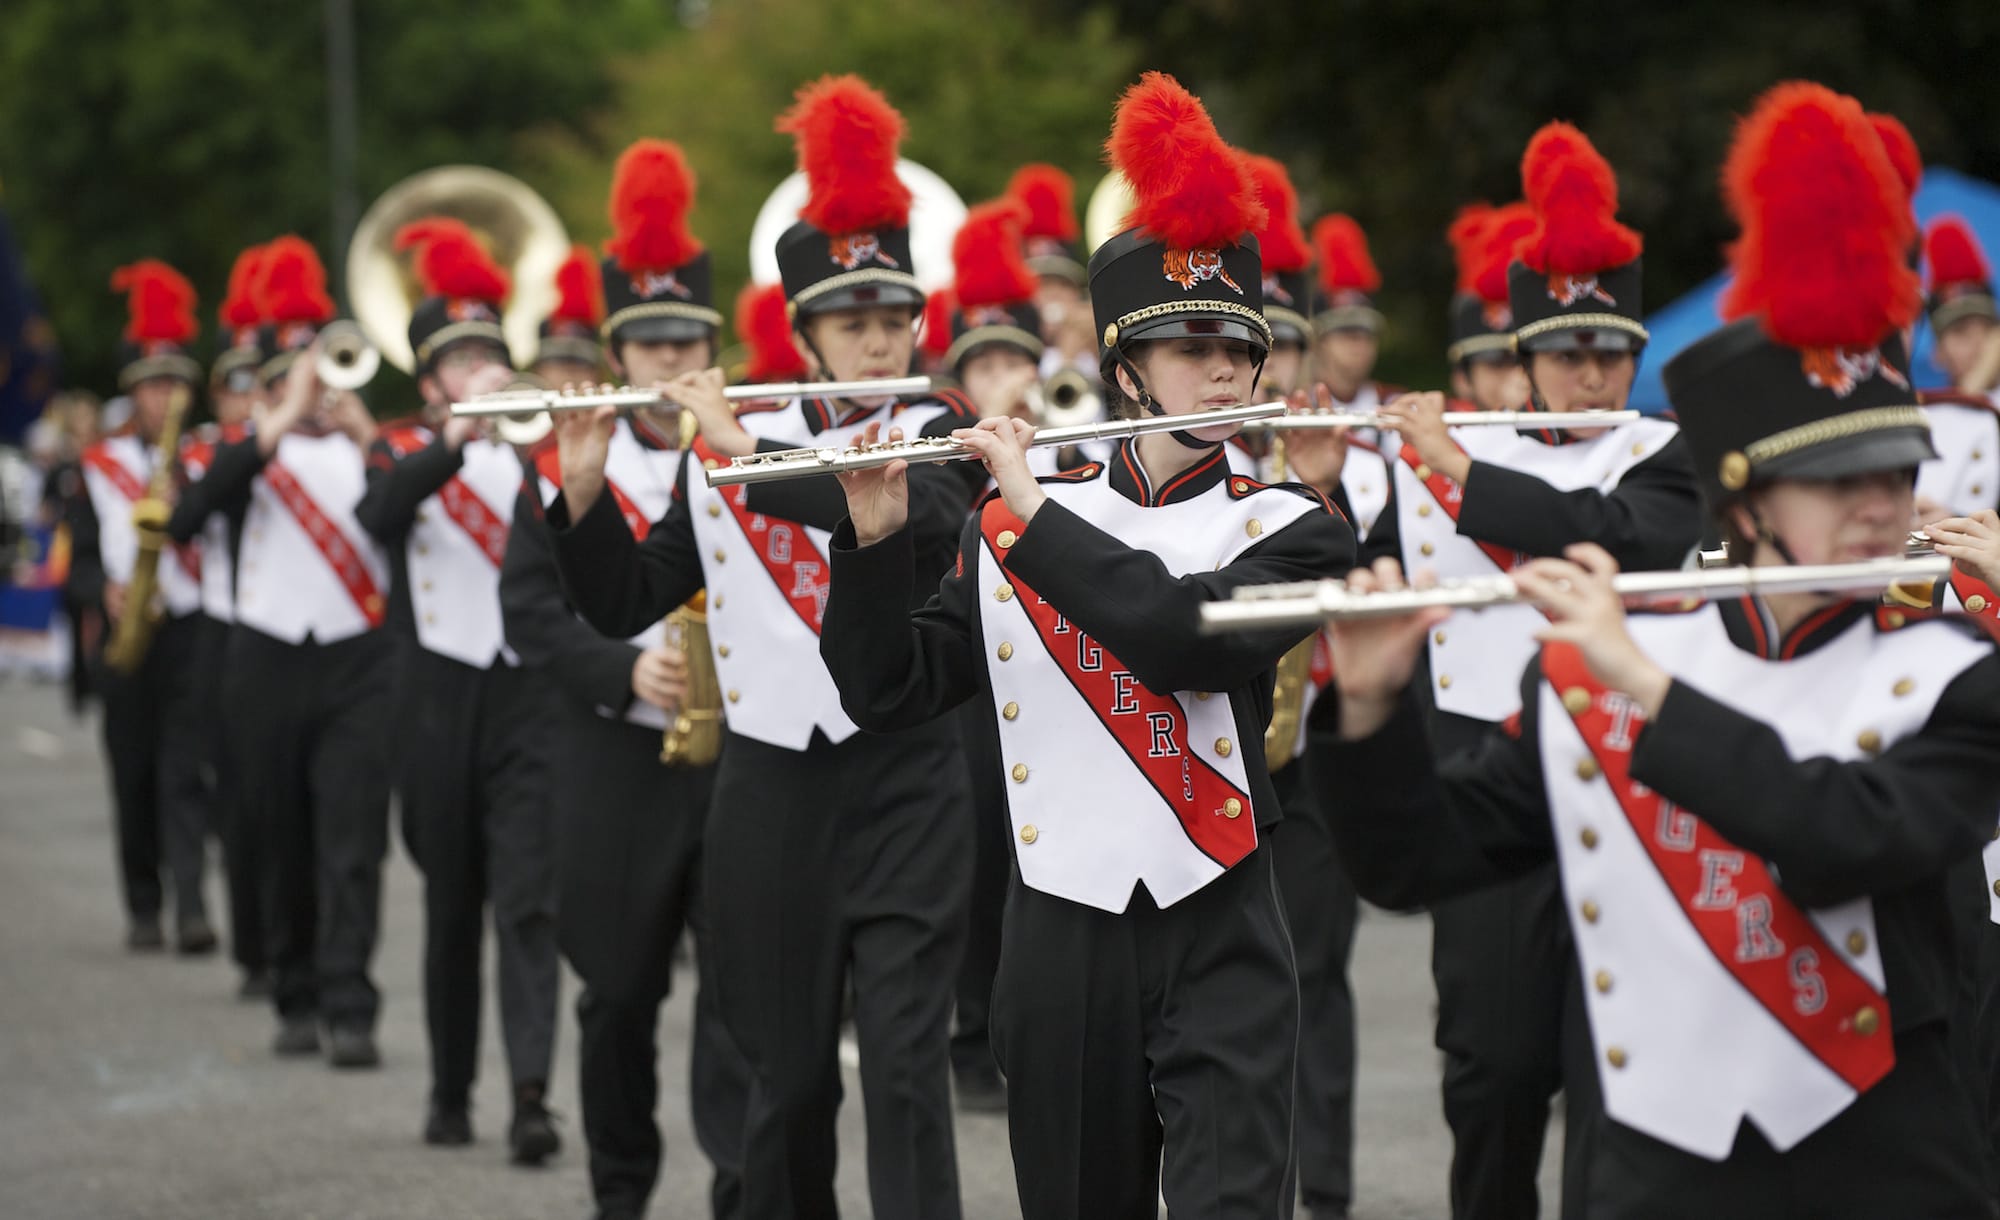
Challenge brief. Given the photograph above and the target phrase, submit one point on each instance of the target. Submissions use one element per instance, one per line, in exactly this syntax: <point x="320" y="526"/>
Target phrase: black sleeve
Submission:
<point x="1834" y="830"/>
<point x="1148" y="618"/>
<point x="622" y="586"/>
<point x="1385" y="537"/>
<point x="1413" y="829"/>
<point x="224" y="489"/>
<point x="540" y="626"/>
<point x="397" y="485"/>
<point x="897" y="668"/>
<point x="1650" y="520"/>
<point x="85" y="582"/>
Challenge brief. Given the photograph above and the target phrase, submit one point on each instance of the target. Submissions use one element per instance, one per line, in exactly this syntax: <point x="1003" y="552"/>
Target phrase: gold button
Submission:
<point x="722" y="650"/>
<point x="735" y="695"/>
<point x="1423" y="472"/>
<point x="1857" y="942"/>
<point x="427" y="586"/>
<point x="1589" y="837"/>
<point x="1867" y="1021"/>
<point x="1232" y="808"/>
<point x="1444" y="681"/>
<point x="1242" y="487"/>
<point x="1602" y="981"/>
<point x="430" y="618"/>
<point x="1870" y="741"/>
<point x="1588" y="769"/>
<point x="1222" y="746"/>
<point x="1253" y="527"/>
<point x="1977" y="454"/>
<point x="1006" y="539"/>
<point x="1975" y="603"/>
<point x="1010" y="711"/>
<point x="1201" y="696"/>
<point x="1977" y="489"/>
<point x="422" y="517"/>
<point x="1020" y="773"/>
<point x="721" y="555"/>
<point x="1006" y="651"/>
<point x="1005" y="593"/>
<point x="1427" y="548"/>
<point x="1903" y="687"/>
<point x="709" y="463"/>
<point x="1423" y="510"/>
<point x="1996" y="889"/>
<point x="1615" y="1056"/>
<point x="1576" y="700"/>
<point x="717" y="603"/>
<point x="1439" y="637"/>
<point x="1896" y="619"/>
<point x="421" y="548"/>
<point x="1029" y="834"/>
<point x="1590" y="911"/>
<point x="715" y="510"/>
<point x="1637" y="450"/>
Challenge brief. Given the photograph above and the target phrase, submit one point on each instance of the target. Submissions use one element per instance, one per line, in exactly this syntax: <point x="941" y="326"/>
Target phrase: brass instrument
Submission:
<point x="1064" y="400"/>
<point x="523" y="414"/>
<point x="693" y="738"/>
<point x="1294" y="674"/>
<point x="936" y="212"/>
<point x="126" y="650"/>
<point x="347" y="360"/>
<point x="1304" y="603"/>
<point x="1104" y="215"/>
<point x="1313" y="421"/>
<point x="798" y="463"/>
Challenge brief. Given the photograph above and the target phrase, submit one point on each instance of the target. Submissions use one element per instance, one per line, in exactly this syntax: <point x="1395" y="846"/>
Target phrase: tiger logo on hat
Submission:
<point x="1567" y="290"/>
<point x="1190" y="267"/>
<point x="1840" y="370"/>
<point x="652" y="284"/>
<point x="854" y="249"/>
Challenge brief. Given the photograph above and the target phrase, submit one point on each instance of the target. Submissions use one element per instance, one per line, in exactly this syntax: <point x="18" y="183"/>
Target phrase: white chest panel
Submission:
<point x="454" y="585"/>
<point x="1965" y="475"/>
<point x="284" y="585"/>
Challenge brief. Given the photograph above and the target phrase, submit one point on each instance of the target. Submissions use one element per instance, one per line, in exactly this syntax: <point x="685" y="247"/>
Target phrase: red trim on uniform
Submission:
<point x="99" y="458"/>
<point x="1769" y="944"/>
<point x="1195" y="471"/>
<point x="327" y="538"/>
<point x="1450" y="496"/>
<point x="787" y="552"/>
<point x="1755" y="617"/>
<point x="1967" y="586"/>
<point x="1138" y="475"/>
<point x="1810" y="624"/>
<point x="463" y="505"/>
<point x="548" y="464"/>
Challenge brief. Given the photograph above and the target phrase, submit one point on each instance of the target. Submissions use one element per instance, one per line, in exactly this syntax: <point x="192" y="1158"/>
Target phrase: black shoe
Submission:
<point x="352" y="1048"/>
<point x="194" y="937"/>
<point x="256" y="985"/>
<point x="981" y="1089"/>
<point x="144" y="936"/>
<point x="448" y="1126"/>
<point x="531" y="1137"/>
<point x="297" y="1036"/>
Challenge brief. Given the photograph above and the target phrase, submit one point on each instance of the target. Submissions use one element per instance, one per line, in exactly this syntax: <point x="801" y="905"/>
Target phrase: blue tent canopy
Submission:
<point x="1944" y="192"/>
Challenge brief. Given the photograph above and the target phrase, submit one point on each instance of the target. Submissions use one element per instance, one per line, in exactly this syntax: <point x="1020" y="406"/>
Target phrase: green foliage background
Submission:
<point x="190" y="128"/>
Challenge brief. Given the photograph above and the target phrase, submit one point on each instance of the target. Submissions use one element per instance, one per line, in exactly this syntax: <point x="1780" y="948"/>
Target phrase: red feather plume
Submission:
<point x="1499" y="246"/>
<point x="579" y="290"/>
<point x="1190" y="190"/>
<point x="986" y="256"/>
<point x="1342" y="250"/>
<point x="765" y="328"/>
<point x="1281" y="243"/>
<point x="1575" y="195"/>
<point x="1467" y="234"/>
<point x="1050" y="197"/>
<point x="239" y="303"/>
<point x="847" y="134"/>
<point x="652" y="192"/>
<point x="1902" y="150"/>
<point x="291" y="283"/>
<point x="934" y="337"/>
<point x="159" y="302"/>
<point x="450" y="261"/>
<point x="1952" y="253"/>
<point x="1826" y="229"/>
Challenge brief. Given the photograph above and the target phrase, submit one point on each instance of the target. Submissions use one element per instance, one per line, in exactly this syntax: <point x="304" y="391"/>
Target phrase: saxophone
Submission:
<point x="693" y="738"/>
<point x="126" y="650"/>
<point x="1288" y="697"/>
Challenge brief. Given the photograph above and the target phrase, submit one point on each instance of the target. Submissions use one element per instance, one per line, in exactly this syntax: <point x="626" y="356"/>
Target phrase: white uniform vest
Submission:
<point x="1965" y="475"/>
<point x="1365" y="476"/>
<point x="218" y="566"/>
<point x="118" y="539"/>
<point x="454" y="585"/>
<point x="1684" y="1052"/>
<point x="1088" y="824"/>
<point x="285" y="586"/>
<point x="1476" y="656"/>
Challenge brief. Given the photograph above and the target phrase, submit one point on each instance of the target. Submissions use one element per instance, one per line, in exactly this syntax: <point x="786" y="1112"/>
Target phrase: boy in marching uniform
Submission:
<point x="309" y="671"/>
<point x="1754" y="803"/>
<point x="1146" y="1000"/>
<point x="832" y="854"/>
<point x="152" y="730"/>
<point x="1480" y="501"/>
<point x="1965" y="422"/>
<point x="469" y="753"/>
<point x="628" y="831"/>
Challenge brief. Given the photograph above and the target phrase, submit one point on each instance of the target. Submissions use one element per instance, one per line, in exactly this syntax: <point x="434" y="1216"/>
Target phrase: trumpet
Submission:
<point x="1310" y="603"/>
<point x="1064" y="400"/>
<point x="1917" y="544"/>
<point x="798" y="463"/>
<point x="1313" y="421"/>
<point x="347" y="360"/>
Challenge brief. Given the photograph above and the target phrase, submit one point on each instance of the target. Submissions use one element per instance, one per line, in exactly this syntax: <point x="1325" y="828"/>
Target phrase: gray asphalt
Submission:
<point x="140" y="1087"/>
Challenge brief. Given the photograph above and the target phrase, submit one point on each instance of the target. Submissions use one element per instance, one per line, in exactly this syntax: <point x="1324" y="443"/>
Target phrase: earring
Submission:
<point x="1145" y="400"/>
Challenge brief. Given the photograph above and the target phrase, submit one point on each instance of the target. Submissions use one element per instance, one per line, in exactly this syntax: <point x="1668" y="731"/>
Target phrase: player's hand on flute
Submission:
<point x="1584" y="610"/>
<point x="1972" y="543"/>
<point x="1375" y="658"/>
<point x="1002" y="445"/>
<point x="878" y="498"/>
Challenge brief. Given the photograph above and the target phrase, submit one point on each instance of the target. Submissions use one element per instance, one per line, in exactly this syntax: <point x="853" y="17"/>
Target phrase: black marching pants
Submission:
<point x="1123" y="1035"/>
<point x="628" y="835"/>
<point x="836" y="861"/>
<point x="1321" y="910"/>
<point x="471" y="757"/>
<point x="153" y="738"/>
<point x="241" y="857"/>
<point x="314" y="764"/>
<point x="992" y="865"/>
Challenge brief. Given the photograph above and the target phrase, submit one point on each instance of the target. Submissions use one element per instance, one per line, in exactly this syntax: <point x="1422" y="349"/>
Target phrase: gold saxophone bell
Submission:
<point x="694" y="736"/>
<point x="1063" y="400"/>
<point x="133" y="635"/>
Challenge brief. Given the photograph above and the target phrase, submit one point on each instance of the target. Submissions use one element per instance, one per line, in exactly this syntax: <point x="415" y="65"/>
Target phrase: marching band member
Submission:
<point x="1062" y="302"/>
<point x="152" y="732"/>
<point x="1965" y="422"/>
<point x="1146" y="995"/>
<point x="469" y="749"/>
<point x="309" y="671"/>
<point x="1288" y="284"/>
<point x="1347" y="333"/>
<point x="629" y="831"/>
<point x="568" y="352"/>
<point x="832" y="855"/>
<point x="764" y="326"/>
<point x="1485" y="369"/>
<point x="1753" y="803"/>
<point x="1475" y="501"/>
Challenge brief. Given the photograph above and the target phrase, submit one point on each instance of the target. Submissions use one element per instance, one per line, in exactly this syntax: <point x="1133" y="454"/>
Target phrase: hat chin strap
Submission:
<point x="1766" y="535"/>
<point x="1151" y="407"/>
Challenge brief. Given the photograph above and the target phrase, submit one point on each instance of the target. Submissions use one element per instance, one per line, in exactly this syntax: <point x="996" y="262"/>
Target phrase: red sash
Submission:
<point x="133" y="490"/>
<point x="786" y="551"/>
<point x="548" y="464"/>
<point x="1758" y="934"/>
<point x="1450" y="495"/>
<point x="1151" y="728"/>
<point x="461" y="503"/>
<point x="333" y="545"/>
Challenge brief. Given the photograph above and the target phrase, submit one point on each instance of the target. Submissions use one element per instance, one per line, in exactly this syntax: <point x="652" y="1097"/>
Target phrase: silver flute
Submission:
<point x="798" y="463"/>
<point x="1918" y="543"/>
<point x="1315" y="421"/>
<point x="1313" y="602"/>
<point x="521" y="402"/>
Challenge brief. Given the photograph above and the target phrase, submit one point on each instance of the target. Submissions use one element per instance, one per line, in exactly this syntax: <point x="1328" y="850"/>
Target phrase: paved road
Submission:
<point x="140" y="1087"/>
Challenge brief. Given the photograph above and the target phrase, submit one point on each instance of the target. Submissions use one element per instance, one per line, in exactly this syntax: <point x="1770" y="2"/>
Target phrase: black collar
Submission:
<point x="1128" y="477"/>
<point x="1750" y="628"/>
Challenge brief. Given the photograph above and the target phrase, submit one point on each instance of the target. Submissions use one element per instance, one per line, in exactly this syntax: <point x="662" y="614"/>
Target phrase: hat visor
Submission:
<point x="1867" y="453"/>
<point x="1584" y="339"/>
<point x="862" y="296"/>
<point x="462" y="342"/>
<point x="1195" y="325"/>
<point x="661" y="329"/>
